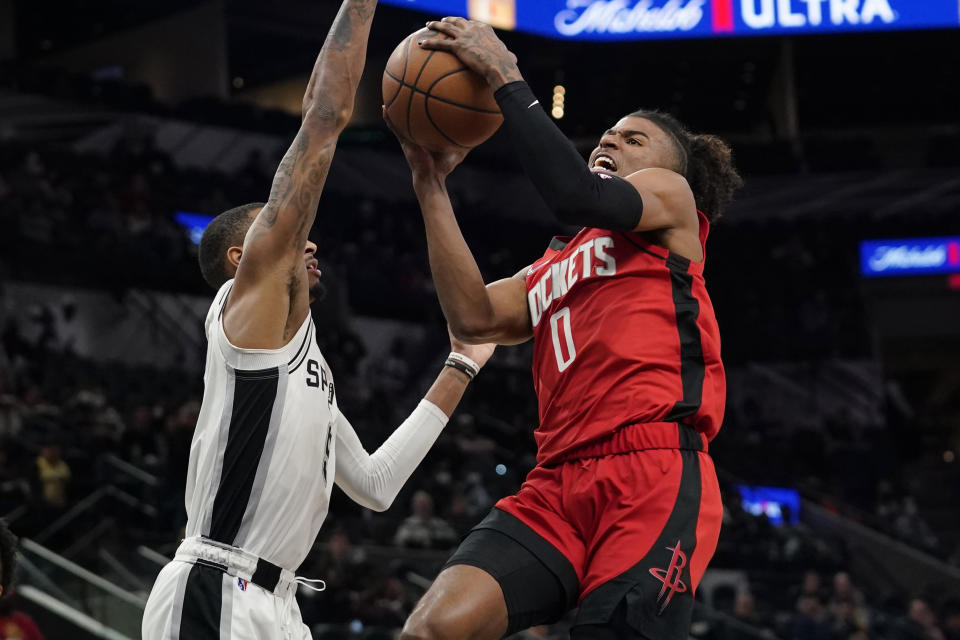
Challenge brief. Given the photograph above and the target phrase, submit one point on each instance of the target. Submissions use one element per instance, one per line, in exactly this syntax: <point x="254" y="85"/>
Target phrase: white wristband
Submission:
<point x="464" y="360"/>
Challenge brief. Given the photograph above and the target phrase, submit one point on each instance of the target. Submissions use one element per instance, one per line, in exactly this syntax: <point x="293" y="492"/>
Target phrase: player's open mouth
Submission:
<point x="604" y="163"/>
<point x="313" y="268"/>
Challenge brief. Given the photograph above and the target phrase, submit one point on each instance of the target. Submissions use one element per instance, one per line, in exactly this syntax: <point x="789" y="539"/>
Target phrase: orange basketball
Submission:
<point x="434" y="100"/>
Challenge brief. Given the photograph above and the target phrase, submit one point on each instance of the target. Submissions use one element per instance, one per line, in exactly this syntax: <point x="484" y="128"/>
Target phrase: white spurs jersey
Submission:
<point x="262" y="460"/>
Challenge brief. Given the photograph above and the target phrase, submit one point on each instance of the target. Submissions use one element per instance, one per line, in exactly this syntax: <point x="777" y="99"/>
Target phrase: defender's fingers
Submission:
<point x="460" y="22"/>
<point x="445" y="28"/>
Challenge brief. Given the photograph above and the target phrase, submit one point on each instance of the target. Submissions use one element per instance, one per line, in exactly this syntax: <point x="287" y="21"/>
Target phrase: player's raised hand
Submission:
<point x="478" y="47"/>
<point x="479" y="353"/>
<point x="427" y="165"/>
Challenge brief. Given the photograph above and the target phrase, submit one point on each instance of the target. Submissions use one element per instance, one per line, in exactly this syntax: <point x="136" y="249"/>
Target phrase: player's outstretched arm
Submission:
<point x="270" y="288"/>
<point x="659" y="199"/>
<point x="477" y="313"/>
<point x="374" y="480"/>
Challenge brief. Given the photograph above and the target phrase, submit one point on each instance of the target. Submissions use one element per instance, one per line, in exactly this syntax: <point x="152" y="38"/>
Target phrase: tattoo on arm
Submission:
<point x="353" y="13"/>
<point x="296" y="190"/>
<point x="333" y="82"/>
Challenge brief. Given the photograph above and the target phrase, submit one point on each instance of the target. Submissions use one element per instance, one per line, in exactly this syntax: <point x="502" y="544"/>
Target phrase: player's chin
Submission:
<point x="316" y="289"/>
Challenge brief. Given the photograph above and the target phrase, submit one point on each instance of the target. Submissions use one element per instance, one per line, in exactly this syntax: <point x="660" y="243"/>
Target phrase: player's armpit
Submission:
<point x="667" y="200"/>
<point x="508" y="320"/>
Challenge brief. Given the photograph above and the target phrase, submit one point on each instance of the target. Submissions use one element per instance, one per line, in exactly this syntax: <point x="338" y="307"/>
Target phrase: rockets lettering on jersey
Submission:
<point x="590" y="260"/>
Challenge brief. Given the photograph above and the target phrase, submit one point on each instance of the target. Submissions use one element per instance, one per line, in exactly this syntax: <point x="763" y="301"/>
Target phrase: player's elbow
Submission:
<point x="380" y="503"/>
<point x="471" y="330"/>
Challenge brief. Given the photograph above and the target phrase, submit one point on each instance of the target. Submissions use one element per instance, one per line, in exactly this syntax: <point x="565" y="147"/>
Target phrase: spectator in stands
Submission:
<point x="811" y="586"/>
<point x="847" y="609"/>
<point x="844" y="591"/>
<point x="811" y="622"/>
<point x="951" y="619"/>
<point x="423" y="529"/>
<point x="387" y="604"/>
<point x="849" y="622"/>
<point x="745" y="608"/>
<point x="920" y="623"/>
<point x="346" y="572"/>
<point x="54" y="475"/>
<point x="15" y="624"/>
<point x="478" y="498"/>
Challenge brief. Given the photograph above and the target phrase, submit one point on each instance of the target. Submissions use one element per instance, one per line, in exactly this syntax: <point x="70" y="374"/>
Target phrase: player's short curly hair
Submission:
<point x="8" y="556"/>
<point x="226" y="230"/>
<point x="705" y="161"/>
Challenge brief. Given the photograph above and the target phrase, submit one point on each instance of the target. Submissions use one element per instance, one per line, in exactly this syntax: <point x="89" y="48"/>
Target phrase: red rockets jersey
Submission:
<point x="624" y="334"/>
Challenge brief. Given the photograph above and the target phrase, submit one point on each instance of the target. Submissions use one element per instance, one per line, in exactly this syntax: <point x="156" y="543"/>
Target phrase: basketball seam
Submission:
<point x="413" y="93"/>
<point x="426" y="109"/>
<point x="439" y="99"/>
<point x="406" y="60"/>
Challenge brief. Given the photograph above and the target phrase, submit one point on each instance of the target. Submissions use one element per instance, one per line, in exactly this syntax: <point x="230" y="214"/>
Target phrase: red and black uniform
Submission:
<point x="624" y="334"/>
<point x="623" y="506"/>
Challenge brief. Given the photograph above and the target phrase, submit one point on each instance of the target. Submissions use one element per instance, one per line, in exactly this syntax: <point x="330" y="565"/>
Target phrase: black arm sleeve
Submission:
<point x="574" y="193"/>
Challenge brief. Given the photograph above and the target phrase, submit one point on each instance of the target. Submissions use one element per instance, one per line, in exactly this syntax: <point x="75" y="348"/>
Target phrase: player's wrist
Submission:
<point x="429" y="182"/>
<point x="464" y="364"/>
<point x="456" y="375"/>
<point x="498" y="77"/>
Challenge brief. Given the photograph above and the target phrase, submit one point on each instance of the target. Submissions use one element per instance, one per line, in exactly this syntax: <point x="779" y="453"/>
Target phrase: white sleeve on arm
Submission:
<point x="373" y="481"/>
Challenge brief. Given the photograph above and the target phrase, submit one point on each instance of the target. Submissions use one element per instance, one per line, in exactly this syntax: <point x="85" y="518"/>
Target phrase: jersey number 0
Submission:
<point x="563" y="347"/>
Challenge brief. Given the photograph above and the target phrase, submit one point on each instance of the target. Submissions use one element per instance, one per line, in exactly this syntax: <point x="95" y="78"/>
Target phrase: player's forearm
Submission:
<point x="448" y="389"/>
<point x="374" y="480"/>
<point x="331" y="92"/>
<point x="460" y="288"/>
<point x="570" y="189"/>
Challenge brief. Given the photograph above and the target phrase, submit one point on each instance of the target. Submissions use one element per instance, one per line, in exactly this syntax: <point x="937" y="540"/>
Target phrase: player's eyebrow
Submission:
<point x="627" y="133"/>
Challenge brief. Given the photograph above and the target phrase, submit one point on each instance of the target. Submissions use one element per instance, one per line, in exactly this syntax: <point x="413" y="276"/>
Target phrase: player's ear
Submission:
<point x="233" y="256"/>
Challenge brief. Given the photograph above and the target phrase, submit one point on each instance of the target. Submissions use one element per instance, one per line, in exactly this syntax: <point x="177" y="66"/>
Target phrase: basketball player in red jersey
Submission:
<point x="622" y="512"/>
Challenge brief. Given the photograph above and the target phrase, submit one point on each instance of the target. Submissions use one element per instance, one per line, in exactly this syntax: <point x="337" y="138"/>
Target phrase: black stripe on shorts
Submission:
<point x="202" y="604"/>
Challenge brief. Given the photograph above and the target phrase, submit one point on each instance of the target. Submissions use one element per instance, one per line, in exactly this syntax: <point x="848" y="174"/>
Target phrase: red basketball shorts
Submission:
<point x="639" y="526"/>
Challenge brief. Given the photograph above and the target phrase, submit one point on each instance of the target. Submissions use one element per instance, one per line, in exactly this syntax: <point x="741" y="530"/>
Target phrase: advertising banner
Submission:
<point x="661" y="19"/>
<point x="910" y="257"/>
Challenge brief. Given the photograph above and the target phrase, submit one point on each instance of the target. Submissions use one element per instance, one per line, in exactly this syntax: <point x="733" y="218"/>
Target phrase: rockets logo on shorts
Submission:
<point x="670" y="577"/>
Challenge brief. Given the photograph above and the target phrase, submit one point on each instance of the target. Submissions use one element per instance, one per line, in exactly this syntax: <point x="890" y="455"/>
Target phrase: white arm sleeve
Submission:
<point x="373" y="481"/>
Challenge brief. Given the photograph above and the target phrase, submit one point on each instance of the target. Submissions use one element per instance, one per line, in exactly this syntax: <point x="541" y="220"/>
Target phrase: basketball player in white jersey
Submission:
<point x="270" y="440"/>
